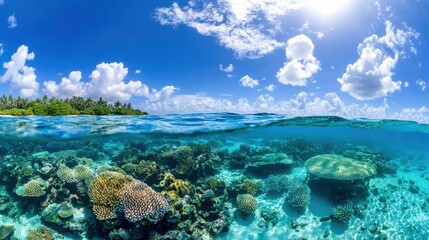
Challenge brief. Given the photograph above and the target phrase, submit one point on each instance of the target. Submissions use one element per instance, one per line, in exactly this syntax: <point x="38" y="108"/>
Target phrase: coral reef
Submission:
<point x="298" y="195"/>
<point x="246" y="203"/>
<point x="343" y="213"/>
<point x="6" y="230"/>
<point x="139" y="202"/>
<point x="42" y="234"/>
<point x="66" y="174"/>
<point x="276" y="184"/>
<point x="105" y="191"/>
<point x="31" y="189"/>
<point x="332" y="166"/>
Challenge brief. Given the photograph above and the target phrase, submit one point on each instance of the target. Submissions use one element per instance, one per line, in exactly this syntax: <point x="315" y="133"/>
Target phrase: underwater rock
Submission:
<point x="332" y="166"/>
<point x="6" y="230"/>
<point x="269" y="163"/>
<point x="269" y="219"/>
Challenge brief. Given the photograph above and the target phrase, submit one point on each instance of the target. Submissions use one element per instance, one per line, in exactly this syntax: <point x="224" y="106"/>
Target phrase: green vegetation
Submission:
<point x="58" y="107"/>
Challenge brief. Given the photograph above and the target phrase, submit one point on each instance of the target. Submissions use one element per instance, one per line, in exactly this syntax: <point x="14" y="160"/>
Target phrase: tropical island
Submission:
<point x="59" y="107"/>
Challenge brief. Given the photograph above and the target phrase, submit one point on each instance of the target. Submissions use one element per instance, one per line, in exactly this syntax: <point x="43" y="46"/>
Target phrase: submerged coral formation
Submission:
<point x="343" y="213"/>
<point x="298" y="195"/>
<point x="139" y="201"/>
<point x="247" y="203"/>
<point x="333" y="166"/>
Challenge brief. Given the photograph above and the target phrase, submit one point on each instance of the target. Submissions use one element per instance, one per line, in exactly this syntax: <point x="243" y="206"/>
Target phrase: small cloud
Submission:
<point x="270" y="87"/>
<point x="138" y="71"/>
<point x="1" y="46"/>
<point x="230" y="75"/>
<point x="226" y="95"/>
<point x="228" y="69"/>
<point x="406" y="84"/>
<point x="247" y="81"/>
<point x="1" y="2"/>
<point x="421" y="84"/>
<point x="13" y="23"/>
<point x="320" y="35"/>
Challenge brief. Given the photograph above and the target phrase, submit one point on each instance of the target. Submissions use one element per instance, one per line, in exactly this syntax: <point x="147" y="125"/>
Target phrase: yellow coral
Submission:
<point x="250" y="187"/>
<point x="66" y="174"/>
<point x="42" y="234"/>
<point x="105" y="190"/>
<point x="168" y="180"/>
<point x="32" y="189"/>
<point x="182" y="188"/>
<point x="83" y="173"/>
<point x="246" y="203"/>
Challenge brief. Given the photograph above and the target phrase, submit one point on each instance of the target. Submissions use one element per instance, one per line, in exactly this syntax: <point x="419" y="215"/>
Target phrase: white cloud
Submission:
<point x="371" y="75"/>
<point x="227" y="69"/>
<point x="421" y="84"/>
<point x="1" y="2"/>
<point x="247" y="27"/>
<point x="12" y="21"/>
<point x="106" y="81"/>
<point x="301" y="65"/>
<point x="270" y="87"/>
<point x="413" y="114"/>
<point x="247" y="81"/>
<point x="138" y="71"/>
<point x="68" y="87"/>
<point x="1" y="49"/>
<point x="406" y="84"/>
<point x="22" y="78"/>
<point x="320" y="35"/>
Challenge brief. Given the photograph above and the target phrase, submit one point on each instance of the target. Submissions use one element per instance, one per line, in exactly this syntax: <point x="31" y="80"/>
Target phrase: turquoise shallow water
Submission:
<point x="213" y="176"/>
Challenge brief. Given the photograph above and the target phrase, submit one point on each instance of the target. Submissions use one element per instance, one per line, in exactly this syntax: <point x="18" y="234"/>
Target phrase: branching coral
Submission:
<point x="139" y="202"/>
<point x="250" y="187"/>
<point x="42" y="234"/>
<point x="66" y="174"/>
<point x="104" y="192"/>
<point x="32" y="189"/>
<point x="298" y="195"/>
<point x="276" y="183"/>
<point x="343" y="213"/>
<point x="246" y="203"/>
<point x="83" y="173"/>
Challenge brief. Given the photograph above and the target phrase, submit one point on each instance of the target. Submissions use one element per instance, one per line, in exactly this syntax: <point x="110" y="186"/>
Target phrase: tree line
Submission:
<point x="70" y="106"/>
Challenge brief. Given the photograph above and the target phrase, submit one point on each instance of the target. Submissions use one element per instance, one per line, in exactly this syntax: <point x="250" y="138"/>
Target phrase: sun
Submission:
<point x="327" y="8"/>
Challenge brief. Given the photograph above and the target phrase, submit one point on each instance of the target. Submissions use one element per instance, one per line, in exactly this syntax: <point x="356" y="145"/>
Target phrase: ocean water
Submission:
<point x="213" y="176"/>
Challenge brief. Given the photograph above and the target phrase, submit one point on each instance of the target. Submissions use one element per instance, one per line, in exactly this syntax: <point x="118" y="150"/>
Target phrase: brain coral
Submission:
<point x="298" y="195"/>
<point x="246" y="203"/>
<point x="32" y="189"/>
<point x="139" y="202"/>
<point x="104" y="192"/>
<point x="338" y="167"/>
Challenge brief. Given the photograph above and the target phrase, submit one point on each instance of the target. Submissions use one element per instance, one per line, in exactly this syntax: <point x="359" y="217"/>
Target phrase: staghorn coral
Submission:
<point x="298" y="195"/>
<point x="104" y="192"/>
<point x="32" y="189"/>
<point x="42" y="234"/>
<point x="343" y="213"/>
<point x="246" y="203"/>
<point x="66" y="174"/>
<point x="332" y="166"/>
<point x="139" y="202"/>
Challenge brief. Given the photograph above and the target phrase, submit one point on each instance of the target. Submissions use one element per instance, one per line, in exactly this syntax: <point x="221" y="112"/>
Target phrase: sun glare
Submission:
<point x="327" y="8"/>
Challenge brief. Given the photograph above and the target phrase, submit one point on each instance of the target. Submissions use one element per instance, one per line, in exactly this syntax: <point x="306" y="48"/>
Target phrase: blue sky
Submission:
<point x="353" y="58"/>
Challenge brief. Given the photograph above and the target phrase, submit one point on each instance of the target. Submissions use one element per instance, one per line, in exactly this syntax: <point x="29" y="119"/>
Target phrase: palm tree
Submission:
<point x="11" y="102"/>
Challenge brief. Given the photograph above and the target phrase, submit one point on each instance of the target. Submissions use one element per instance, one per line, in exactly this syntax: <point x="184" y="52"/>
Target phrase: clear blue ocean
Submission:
<point x="213" y="176"/>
